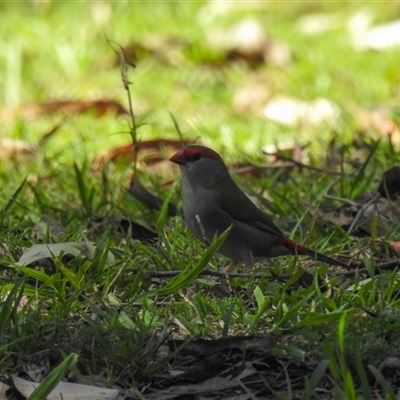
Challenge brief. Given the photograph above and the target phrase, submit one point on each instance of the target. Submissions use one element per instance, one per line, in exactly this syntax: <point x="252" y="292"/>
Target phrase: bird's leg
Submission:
<point x="249" y="264"/>
<point x="203" y="231"/>
<point x="231" y="266"/>
<point x="248" y="268"/>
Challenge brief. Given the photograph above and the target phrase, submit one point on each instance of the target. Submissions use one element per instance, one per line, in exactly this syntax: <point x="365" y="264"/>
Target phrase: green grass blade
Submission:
<point x="227" y="319"/>
<point x="10" y="304"/>
<point x="190" y="273"/>
<point x="15" y="196"/>
<point x="163" y="215"/>
<point x="366" y="390"/>
<point x="83" y="189"/>
<point x="382" y="382"/>
<point x="312" y="382"/>
<point x="286" y="317"/>
<point x="12" y="201"/>
<point x="55" y="376"/>
<point x="39" y="275"/>
<point x="358" y="184"/>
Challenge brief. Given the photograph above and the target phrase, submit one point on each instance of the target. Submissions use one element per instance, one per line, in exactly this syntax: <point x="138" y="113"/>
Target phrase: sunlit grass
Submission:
<point x="59" y="51"/>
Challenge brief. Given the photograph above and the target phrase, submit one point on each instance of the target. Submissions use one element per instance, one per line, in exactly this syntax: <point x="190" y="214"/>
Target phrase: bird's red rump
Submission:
<point x="285" y="242"/>
<point x="289" y="243"/>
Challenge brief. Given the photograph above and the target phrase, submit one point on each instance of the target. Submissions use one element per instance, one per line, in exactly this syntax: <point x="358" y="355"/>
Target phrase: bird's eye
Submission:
<point x="196" y="156"/>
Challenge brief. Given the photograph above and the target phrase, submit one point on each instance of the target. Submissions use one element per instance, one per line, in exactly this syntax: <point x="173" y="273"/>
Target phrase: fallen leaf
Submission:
<point x="377" y="120"/>
<point x="210" y="386"/>
<point x="246" y="41"/>
<point x="251" y="97"/>
<point x="17" y="150"/>
<point x="47" y="223"/>
<point x="244" y="169"/>
<point x="315" y="24"/>
<point x="72" y="107"/>
<point x="101" y="12"/>
<point x="291" y="112"/>
<point x="149" y="152"/>
<point x="357" y="26"/>
<point x="3" y="389"/>
<point x="381" y="37"/>
<point x="215" y="9"/>
<point x="395" y="246"/>
<point x="390" y="368"/>
<point x="39" y="251"/>
<point x="167" y="49"/>
<point x="67" y="391"/>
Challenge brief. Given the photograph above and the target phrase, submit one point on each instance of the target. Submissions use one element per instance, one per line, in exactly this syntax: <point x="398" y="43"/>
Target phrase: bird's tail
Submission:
<point x="296" y="248"/>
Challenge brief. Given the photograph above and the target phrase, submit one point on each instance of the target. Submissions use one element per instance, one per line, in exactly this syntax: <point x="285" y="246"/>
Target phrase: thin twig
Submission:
<point x="209" y="272"/>
<point x="388" y="265"/>
<point x="341" y="199"/>
<point x="177" y="128"/>
<point x="306" y="166"/>
<point x="361" y="212"/>
<point x="223" y="274"/>
<point x="126" y="83"/>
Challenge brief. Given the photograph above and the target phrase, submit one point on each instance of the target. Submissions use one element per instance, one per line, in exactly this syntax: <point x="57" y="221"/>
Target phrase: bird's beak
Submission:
<point x="178" y="158"/>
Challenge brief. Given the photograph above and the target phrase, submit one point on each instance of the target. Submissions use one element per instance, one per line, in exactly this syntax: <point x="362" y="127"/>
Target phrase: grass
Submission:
<point x="93" y="317"/>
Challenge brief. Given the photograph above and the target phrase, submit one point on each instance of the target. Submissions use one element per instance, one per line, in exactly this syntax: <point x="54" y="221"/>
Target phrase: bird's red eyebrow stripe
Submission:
<point x="207" y="154"/>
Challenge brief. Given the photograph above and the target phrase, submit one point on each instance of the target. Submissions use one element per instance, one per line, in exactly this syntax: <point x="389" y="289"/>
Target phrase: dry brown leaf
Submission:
<point x="17" y="150"/>
<point x="246" y="41"/>
<point x="377" y="120"/>
<point x="291" y="112"/>
<point x="251" y="97"/>
<point x="149" y="151"/>
<point x="165" y="48"/>
<point x="395" y="246"/>
<point x="245" y="169"/>
<point x="66" y="107"/>
<point x="57" y="231"/>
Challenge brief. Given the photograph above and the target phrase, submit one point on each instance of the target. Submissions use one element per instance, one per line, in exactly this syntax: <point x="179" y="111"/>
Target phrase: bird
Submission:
<point x="213" y="202"/>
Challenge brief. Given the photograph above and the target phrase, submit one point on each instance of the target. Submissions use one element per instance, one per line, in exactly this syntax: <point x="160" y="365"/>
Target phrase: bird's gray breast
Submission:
<point x="201" y="211"/>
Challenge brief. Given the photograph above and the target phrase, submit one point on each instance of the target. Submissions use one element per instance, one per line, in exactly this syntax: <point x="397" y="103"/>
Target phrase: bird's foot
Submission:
<point x="231" y="266"/>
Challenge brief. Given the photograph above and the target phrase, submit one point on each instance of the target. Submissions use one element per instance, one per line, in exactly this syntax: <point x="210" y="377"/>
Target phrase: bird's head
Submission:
<point x="199" y="164"/>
